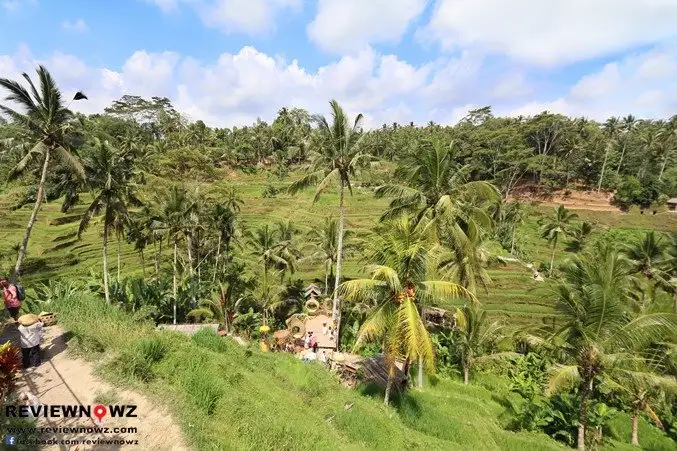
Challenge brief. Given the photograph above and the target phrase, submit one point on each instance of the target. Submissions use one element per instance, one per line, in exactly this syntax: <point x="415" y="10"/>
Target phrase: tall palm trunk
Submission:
<point x="326" y="281"/>
<point x="118" y="252"/>
<point x="389" y="386"/>
<point x="552" y="259"/>
<point x="512" y="241"/>
<point x="189" y="246"/>
<point x="583" y="415"/>
<point x="665" y="160"/>
<point x="601" y="177"/>
<point x="143" y="263"/>
<point x="218" y="257"/>
<point x="31" y="221"/>
<point x="620" y="161"/>
<point x="174" y="281"/>
<point x="635" y="424"/>
<point x="158" y="258"/>
<point x="106" y="292"/>
<point x="336" y="307"/>
<point x="466" y="373"/>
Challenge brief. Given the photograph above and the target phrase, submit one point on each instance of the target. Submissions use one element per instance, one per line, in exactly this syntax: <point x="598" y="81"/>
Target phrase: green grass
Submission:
<point x="227" y="397"/>
<point x="54" y="250"/>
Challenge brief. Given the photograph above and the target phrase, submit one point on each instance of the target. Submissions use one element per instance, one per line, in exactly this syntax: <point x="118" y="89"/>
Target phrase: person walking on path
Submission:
<point x="30" y="331"/>
<point x="11" y="297"/>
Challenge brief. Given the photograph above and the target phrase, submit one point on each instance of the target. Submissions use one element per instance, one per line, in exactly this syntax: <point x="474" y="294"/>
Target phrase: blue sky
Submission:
<point x="230" y="61"/>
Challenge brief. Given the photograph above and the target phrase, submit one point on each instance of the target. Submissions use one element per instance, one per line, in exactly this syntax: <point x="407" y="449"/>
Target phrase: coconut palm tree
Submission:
<point x="110" y="180"/>
<point x="642" y="389"/>
<point x="224" y="219"/>
<point x="611" y="129"/>
<point x="287" y="249"/>
<point x="433" y="185"/>
<point x="52" y="130"/>
<point x="323" y="241"/>
<point x="629" y="125"/>
<point x="335" y="162"/>
<point x="402" y="255"/>
<point x="597" y="335"/>
<point x="173" y="216"/>
<point x="555" y="226"/>
<point x="649" y="257"/>
<point x="264" y="244"/>
<point x="474" y="338"/>
<point x="579" y="236"/>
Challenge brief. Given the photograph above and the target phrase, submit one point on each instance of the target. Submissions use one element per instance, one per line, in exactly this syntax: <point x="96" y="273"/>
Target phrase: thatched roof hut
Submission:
<point x="376" y="371"/>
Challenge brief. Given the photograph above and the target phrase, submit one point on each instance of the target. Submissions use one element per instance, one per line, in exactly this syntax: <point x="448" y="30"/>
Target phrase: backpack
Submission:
<point x="20" y="293"/>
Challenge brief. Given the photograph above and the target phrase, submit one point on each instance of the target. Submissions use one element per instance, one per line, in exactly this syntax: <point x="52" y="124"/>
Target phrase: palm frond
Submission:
<point x="562" y="377"/>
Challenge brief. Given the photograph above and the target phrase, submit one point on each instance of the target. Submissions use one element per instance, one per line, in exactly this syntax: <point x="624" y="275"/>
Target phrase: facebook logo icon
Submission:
<point x="10" y="440"/>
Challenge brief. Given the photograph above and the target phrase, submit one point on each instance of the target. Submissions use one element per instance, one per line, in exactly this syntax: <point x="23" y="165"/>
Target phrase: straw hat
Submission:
<point x="28" y="319"/>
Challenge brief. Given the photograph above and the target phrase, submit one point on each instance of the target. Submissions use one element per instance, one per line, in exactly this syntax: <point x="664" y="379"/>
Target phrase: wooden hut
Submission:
<point x="672" y="204"/>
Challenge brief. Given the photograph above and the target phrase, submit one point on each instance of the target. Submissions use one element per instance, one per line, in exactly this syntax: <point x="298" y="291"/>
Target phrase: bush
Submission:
<point x="635" y="192"/>
<point x="269" y="191"/>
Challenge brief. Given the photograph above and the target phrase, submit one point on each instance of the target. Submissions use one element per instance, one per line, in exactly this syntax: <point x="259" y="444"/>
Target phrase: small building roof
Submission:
<point x="313" y="289"/>
<point x="673" y="200"/>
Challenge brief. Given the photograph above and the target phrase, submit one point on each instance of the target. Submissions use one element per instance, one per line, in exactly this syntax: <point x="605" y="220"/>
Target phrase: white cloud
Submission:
<point x="343" y="26"/>
<point x="618" y="89"/>
<point x="78" y="26"/>
<point x="551" y="32"/>
<point x="511" y="86"/>
<point x="239" y="87"/>
<point x="15" y="5"/>
<point x="235" y="16"/>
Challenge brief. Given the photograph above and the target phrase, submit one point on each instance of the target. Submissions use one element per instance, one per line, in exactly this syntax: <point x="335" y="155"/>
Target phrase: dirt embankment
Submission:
<point x="572" y="199"/>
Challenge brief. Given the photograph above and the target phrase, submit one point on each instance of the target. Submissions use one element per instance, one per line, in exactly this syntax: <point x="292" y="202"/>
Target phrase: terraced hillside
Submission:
<point x="55" y="251"/>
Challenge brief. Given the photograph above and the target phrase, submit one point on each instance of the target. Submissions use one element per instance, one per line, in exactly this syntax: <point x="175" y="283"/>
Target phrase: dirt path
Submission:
<point x="62" y="379"/>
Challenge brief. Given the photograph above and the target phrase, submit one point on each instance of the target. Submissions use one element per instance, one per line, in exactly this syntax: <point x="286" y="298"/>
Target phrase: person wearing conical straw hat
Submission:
<point x="30" y="331"/>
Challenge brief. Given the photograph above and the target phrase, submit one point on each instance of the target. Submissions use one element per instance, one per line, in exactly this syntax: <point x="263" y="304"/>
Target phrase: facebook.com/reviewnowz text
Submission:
<point x="12" y="440"/>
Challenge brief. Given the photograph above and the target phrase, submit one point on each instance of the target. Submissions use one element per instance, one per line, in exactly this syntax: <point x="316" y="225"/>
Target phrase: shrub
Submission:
<point x="10" y="363"/>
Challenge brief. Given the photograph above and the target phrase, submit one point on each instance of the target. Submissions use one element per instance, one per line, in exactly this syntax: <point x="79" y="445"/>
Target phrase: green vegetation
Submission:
<point x="429" y="220"/>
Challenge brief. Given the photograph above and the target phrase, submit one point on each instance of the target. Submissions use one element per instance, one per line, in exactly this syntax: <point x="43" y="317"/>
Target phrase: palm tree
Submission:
<point x="579" y="236"/>
<point x="629" y="125"/>
<point x="264" y="244"/>
<point x="641" y="388"/>
<point x="597" y="335"/>
<point x="402" y="254"/>
<point x="611" y="129"/>
<point x="336" y="161"/>
<point x="286" y="247"/>
<point x="473" y="337"/>
<point x="324" y="240"/>
<point x="51" y="128"/>
<point x="110" y="178"/>
<point x="434" y="185"/>
<point x="649" y="257"/>
<point x="141" y="235"/>
<point x="172" y="219"/>
<point x="224" y="219"/>
<point x="554" y="226"/>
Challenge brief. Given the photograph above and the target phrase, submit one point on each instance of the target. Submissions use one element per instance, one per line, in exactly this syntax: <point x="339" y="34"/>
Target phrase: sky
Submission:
<point x="229" y="62"/>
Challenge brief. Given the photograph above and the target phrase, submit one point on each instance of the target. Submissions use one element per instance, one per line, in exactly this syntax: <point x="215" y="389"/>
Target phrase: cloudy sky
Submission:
<point x="230" y="61"/>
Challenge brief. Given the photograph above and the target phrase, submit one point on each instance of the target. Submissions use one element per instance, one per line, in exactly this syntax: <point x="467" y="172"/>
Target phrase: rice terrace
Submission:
<point x="330" y="256"/>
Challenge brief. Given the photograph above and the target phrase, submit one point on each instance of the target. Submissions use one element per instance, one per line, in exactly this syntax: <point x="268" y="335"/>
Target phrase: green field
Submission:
<point x="55" y="252"/>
